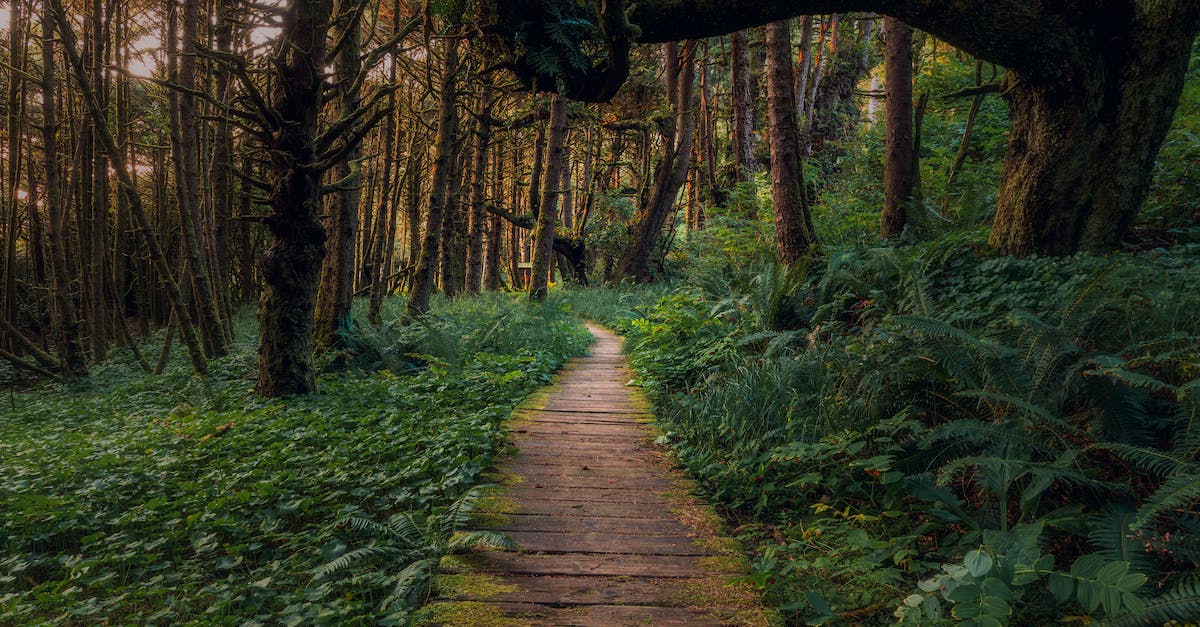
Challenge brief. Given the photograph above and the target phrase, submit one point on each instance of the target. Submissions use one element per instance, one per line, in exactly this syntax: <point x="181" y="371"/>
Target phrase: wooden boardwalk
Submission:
<point x="608" y="532"/>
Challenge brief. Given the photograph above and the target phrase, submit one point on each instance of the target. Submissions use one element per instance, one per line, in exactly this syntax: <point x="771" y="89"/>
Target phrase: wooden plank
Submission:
<point x="571" y="440"/>
<point x="589" y="448"/>
<point x="576" y="467"/>
<point x="585" y="419"/>
<point x="552" y="542"/>
<point x="539" y="615"/>
<point x="586" y="509"/>
<point x="630" y="431"/>
<point x="611" y="459"/>
<point x="645" y="481"/>
<point x="591" y="408"/>
<point x="585" y="590"/>
<point x="521" y="492"/>
<point x="611" y="565"/>
<point x="635" y="526"/>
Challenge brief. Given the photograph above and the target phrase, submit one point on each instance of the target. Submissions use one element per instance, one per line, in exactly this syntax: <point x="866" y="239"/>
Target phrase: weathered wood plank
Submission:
<point x="588" y="495"/>
<point x="630" y="481"/>
<point x="633" y="526"/>
<point x="587" y="509"/>
<point x="612" y="565"/>
<point x="552" y="542"/>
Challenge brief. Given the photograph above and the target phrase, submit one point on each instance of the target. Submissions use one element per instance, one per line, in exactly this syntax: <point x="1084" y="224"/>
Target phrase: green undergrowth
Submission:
<point x="933" y="434"/>
<point x="140" y="499"/>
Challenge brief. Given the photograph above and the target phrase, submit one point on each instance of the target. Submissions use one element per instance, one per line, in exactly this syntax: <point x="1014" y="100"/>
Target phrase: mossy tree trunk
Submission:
<point x="336" y="292"/>
<point x="898" y="170"/>
<point x="291" y="265"/>
<point x="672" y="169"/>
<point x="743" y="107"/>
<point x="1081" y="150"/>
<point x="794" y="236"/>
<point x="548" y="212"/>
<point x="425" y="275"/>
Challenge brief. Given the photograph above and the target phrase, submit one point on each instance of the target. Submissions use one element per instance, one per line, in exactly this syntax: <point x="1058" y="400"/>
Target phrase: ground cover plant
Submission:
<point x="936" y="434"/>
<point x="173" y="499"/>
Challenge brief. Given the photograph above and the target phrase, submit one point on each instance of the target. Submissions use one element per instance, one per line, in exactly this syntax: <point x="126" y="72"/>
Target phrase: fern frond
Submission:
<point x="412" y="583"/>
<point x="1112" y="534"/>
<point x="406" y="529"/>
<point x="1128" y="377"/>
<point x="458" y="513"/>
<point x="1181" y="604"/>
<point x="1182" y="489"/>
<point x="1024" y="406"/>
<point x="373" y="528"/>
<point x="1159" y="462"/>
<point x="481" y="540"/>
<point x="364" y="554"/>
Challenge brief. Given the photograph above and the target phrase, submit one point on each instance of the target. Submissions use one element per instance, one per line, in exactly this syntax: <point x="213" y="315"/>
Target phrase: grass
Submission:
<point x="175" y="499"/>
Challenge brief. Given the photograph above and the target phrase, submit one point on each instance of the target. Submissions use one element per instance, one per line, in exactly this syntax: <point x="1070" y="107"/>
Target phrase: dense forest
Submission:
<point x="913" y="288"/>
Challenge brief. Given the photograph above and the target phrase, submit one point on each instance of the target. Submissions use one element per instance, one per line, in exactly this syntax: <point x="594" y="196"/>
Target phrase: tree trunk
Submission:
<point x="245" y="246"/>
<point x="10" y="225"/>
<point x="379" y="263"/>
<point x="121" y="170"/>
<point x="66" y="320"/>
<point x="548" y="211"/>
<point x="806" y="66"/>
<point x="743" y="107"/>
<point x="291" y="265"/>
<point x="898" y="159"/>
<point x="479" y="217"/>
<point x="222" y="171"/>
<point x="425" y="274"/>
<point x="336" y="292"/>
<point x="794" y="236"/>
<point x="1081" y="151"/>
<point x="672" y="168"/>
<point x="186" y="146"/>
<point x="453" y="253"/>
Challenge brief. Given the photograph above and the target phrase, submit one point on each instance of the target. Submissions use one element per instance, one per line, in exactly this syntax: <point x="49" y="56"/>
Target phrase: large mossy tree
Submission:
<point x="1092" y="89"/>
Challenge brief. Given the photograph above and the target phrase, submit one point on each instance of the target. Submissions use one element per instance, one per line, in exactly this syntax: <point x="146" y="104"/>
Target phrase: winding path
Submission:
<point x="608" y="532"/>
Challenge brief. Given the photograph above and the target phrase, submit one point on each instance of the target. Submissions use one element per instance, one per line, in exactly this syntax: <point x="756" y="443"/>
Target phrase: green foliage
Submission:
<point x="413" y="545"/>
<point x="174" y="499"/>
<point x="889" y="416"/>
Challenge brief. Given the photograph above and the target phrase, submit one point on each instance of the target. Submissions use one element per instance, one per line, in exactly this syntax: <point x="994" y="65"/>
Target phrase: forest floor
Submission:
<point x="608" y="532"/>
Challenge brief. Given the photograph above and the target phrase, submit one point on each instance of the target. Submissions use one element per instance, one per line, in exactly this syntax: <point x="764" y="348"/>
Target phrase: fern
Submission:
<point x="1112" y="534"/>
<point x="1181" y="489"/>
<point x="1181" y="604"/>
<point x="416" y="543"/>
<point x="1161" y="463"/>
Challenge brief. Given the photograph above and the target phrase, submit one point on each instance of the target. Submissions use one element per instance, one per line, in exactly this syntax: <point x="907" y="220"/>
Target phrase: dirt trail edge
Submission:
<point x="608" y="532"/>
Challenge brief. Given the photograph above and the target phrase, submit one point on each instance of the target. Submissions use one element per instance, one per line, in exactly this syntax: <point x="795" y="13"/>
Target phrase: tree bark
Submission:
<point x="66" y="320"/>
<point x="672" y="168"/>
<point x="425" y="274"/>
<point x="336" y="292"/>
<point x="186" y="148"/>
<point x="121" y="170"/>
<point x="291" y="265"/>
<point x="743" y="107"/>
<point x="898" y="158"/>
<point x="548" y="210"/>
<point x="479" y="217"/>
<point x="794" y="235"/>
<point x="1081" y="151"/>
